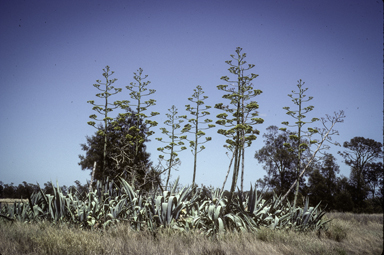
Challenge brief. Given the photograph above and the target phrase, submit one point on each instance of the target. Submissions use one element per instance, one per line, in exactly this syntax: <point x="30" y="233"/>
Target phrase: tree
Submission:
<point x="317" y="188"/>
<point x="238" y="120"/>
<point x="299" y="116"/>
<point x="373" y="178"/>
<point x="174" y="122"/>
<point x="343" y="199"/>
<point x="329" y="170"/>
<point x="48" y="188"/>
<point x="373" y="175"/>
<point x="9" y="191"/>
<point x="195" y="125"/>
<point x="323" y="182"/>
<point x="25" y="190"/>
<point x="279" y="162"/>
<point x="105" y="108"/>
<point x="358" y="153"/>
<point x="120" y="160"/>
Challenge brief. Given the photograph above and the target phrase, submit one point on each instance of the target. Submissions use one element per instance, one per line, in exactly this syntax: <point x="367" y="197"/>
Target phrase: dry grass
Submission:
<point x="347" y="234"/>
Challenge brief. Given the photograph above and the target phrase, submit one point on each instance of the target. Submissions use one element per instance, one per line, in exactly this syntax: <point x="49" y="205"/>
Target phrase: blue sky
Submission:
<point x="53" y="51"/>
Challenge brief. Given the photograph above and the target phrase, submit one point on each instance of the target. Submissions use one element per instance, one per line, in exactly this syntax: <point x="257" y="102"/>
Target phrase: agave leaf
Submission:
<point x="221" y="225"/>
<point x="306" y="204"/>
<point x="175" y="185"/>
<point x="183" y="194"/>
<point x="276" y="221"/>
<point x="50" y="206"/>
<point x="285" y="218"/>
<point x="251" y="224"/>
<point x="166" y="194"/>
<point x="176" y="211"/>
<point x="127" y="189"/>
<point x="159" y="202"/>
<point x="163" y="214"/>
<point x="171" y="203"/>
<point x="211" y="212"/>
<point x="203" y="205"/>
<point x="217" y="213"/>
<point x="307" y="216"/>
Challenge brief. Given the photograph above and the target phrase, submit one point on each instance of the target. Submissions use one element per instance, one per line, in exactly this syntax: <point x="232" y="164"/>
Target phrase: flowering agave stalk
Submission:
<point x="238" y="121"/>
<point x="175" y="141"/>
<point x="195" y="125"/>
<point x="299" y="116"/>
<point x="105" y="108"/>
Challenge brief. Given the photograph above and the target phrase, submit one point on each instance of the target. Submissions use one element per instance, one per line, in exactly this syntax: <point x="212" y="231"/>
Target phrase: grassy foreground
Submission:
<point x="347" y="234"/>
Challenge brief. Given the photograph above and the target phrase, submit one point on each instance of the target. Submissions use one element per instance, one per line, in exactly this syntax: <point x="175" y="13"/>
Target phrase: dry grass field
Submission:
<point x="347" y="234"/>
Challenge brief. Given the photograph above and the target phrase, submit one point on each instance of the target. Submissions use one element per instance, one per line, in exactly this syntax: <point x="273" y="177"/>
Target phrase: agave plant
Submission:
<point x="110" y="203"/>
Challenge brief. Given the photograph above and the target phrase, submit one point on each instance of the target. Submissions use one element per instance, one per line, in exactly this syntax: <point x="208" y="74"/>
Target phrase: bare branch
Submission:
<point x="337" y="118"/>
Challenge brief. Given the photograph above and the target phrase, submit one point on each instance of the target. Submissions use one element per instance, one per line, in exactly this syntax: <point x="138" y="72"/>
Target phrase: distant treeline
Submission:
<point x="25" y="189"/>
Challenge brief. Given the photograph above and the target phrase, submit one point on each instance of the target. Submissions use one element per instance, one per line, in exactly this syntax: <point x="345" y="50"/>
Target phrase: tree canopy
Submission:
<point x="359" y="153"/>
<point x="121" y="149"/>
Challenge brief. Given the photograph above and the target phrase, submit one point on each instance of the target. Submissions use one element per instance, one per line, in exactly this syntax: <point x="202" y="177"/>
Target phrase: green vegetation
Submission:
<point x="278" y="162"/>
<point x="124" y="158"/>
<point x="128" y="205"/>
<point x="204" y="209"/>
<point x="360" y="154"/>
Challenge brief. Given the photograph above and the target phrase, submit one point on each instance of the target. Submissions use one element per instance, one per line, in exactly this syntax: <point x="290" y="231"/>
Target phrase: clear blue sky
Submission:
<point x="53" y="51"/>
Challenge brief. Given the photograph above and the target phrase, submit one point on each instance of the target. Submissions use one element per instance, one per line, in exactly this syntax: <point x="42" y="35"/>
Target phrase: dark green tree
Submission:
<point x="373" y="174"/>
<point x="329" y="170"/>
<point x="8" y="190"/>
<point x="317" y="188"/>
<point x="299" y="116"/>
<point x="48" y="188"/>
<point x="323" y="182"/>
<point x="174" y="141"/>
<point x="358" y="153"/>
<point x="240" y="115"/>
<point x="104" y="108"/>
<point x="195" y="125"/>
<point x="121" y="160"/>
<point x="25" y="189"/>
<point x="279" y="162"/>
<point x="373" y="177"/>
<point x="343" y="198"/>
